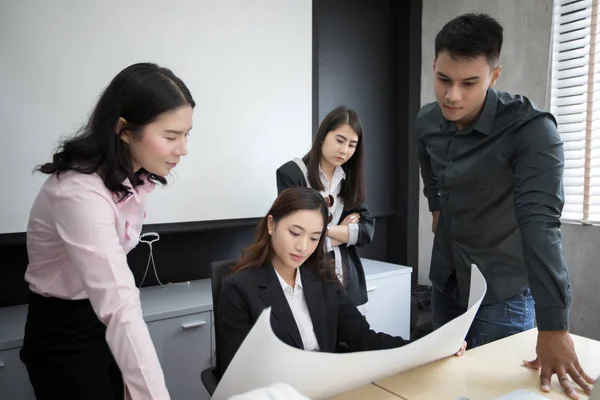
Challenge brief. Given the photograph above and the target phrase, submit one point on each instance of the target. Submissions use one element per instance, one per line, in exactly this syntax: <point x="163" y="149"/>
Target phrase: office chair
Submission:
<point x="210" y="376"/>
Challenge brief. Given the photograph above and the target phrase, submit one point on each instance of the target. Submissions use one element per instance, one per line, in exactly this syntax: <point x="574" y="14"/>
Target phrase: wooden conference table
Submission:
<point x="484" y="373"/>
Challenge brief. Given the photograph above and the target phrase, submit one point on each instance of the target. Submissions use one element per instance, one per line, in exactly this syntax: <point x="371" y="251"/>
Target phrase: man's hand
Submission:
<point x="436" y="217"/>
<point x="556" y="355"/>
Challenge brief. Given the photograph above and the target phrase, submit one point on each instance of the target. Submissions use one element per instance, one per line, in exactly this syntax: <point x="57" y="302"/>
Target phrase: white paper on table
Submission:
<point x="263" y="359"/>
<point x="521" y="394"/>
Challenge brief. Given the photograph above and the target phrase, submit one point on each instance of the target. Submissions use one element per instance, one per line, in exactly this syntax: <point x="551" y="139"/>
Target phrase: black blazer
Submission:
<point x="288" y="175"/>
<point x="246" y="293"/>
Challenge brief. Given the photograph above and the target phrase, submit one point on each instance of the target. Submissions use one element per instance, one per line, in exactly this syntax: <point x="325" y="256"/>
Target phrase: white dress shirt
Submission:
<point x="334" y="188"/>
<point x="297" y="301"/>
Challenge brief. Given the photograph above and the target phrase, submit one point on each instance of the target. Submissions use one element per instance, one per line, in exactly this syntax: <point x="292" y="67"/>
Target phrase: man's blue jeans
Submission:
<point x="492" y="321"/>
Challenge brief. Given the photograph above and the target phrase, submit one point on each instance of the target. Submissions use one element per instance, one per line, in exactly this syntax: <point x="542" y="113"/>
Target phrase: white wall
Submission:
<point x="247" y="64"/>
<point x="525" y="60"/>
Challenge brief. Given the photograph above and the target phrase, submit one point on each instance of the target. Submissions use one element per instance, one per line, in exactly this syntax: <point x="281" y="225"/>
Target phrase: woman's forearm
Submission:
<point x="335" y="242"/>
<point x="339" y="233"/>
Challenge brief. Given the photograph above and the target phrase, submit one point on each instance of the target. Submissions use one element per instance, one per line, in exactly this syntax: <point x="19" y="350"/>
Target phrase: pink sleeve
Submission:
<point x="85" y="220"/>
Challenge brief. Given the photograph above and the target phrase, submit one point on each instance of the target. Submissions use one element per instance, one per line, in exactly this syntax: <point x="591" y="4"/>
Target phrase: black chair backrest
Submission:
<point x="218" y="271"/>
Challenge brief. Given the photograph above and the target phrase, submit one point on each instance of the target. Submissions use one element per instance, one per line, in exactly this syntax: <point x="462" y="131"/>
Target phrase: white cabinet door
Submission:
<point x="183" y="345"/>
<point x="14" y="380"/>
<point x="388" y="308"/>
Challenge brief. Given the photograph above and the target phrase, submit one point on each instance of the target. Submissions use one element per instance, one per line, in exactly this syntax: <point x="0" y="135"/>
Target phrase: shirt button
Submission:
<point x="456" y="242"/>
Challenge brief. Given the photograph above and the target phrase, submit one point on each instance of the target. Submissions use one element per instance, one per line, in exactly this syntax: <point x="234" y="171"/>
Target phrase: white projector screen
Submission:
<point x="247" y="63"/>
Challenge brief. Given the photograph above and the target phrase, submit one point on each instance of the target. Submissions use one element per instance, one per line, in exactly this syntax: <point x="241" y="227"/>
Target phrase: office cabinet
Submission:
<point x="183" y="345"/>
<point x="14" y="380"/>
<point x="388" y="290"/>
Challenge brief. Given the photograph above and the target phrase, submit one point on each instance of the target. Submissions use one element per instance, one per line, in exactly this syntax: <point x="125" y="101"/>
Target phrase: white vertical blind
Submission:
<point x="575" y="93"/>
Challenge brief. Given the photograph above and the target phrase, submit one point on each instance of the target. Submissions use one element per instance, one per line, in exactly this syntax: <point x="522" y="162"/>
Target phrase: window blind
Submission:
<point x="575" y="101"/>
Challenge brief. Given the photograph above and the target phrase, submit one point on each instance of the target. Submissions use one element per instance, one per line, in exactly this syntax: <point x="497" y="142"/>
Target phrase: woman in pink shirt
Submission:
<point x="85" y="337"/>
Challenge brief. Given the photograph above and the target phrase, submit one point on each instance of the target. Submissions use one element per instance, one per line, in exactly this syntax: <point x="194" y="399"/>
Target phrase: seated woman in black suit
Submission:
<point x="287" y="269"/>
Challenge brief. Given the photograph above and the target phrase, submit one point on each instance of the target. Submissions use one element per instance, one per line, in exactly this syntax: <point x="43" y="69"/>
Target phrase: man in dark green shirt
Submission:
<point x="492" y="166"/>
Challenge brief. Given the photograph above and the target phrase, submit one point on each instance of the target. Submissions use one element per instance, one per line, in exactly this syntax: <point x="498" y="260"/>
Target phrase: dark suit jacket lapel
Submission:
<point x="313" y="292"/>
<point x="272" y="294"/>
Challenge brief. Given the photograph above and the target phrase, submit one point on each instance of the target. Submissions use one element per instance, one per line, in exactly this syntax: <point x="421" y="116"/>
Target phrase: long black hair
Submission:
<point x="138" y="94"/>
<point x="353" y="189"/>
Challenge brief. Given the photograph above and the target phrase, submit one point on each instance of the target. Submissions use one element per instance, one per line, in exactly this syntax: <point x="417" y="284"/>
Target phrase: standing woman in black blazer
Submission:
<point x="287" y="269"/>
<point x="335" y="167"/>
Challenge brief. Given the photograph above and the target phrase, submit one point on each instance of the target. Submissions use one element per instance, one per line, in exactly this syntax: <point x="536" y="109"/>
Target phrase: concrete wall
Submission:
<point x="581" y="247"/>
<point x="525" y="60"/>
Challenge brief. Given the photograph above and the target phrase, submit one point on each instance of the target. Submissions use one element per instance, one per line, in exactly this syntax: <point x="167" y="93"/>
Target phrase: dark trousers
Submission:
<point x="66" y="354"/>
<point x="492" y="321"/>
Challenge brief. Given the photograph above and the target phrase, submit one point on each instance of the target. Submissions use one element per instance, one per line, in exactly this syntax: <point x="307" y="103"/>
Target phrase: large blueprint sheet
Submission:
<point x="263" y="359"/>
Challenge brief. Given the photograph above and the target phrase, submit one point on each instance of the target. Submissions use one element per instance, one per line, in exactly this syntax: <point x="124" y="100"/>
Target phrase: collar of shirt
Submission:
<point x="138" y="194"/>
<point x="284" y="285"/>
<point x="483" y="123"/>
<point x="338" y="176"/>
